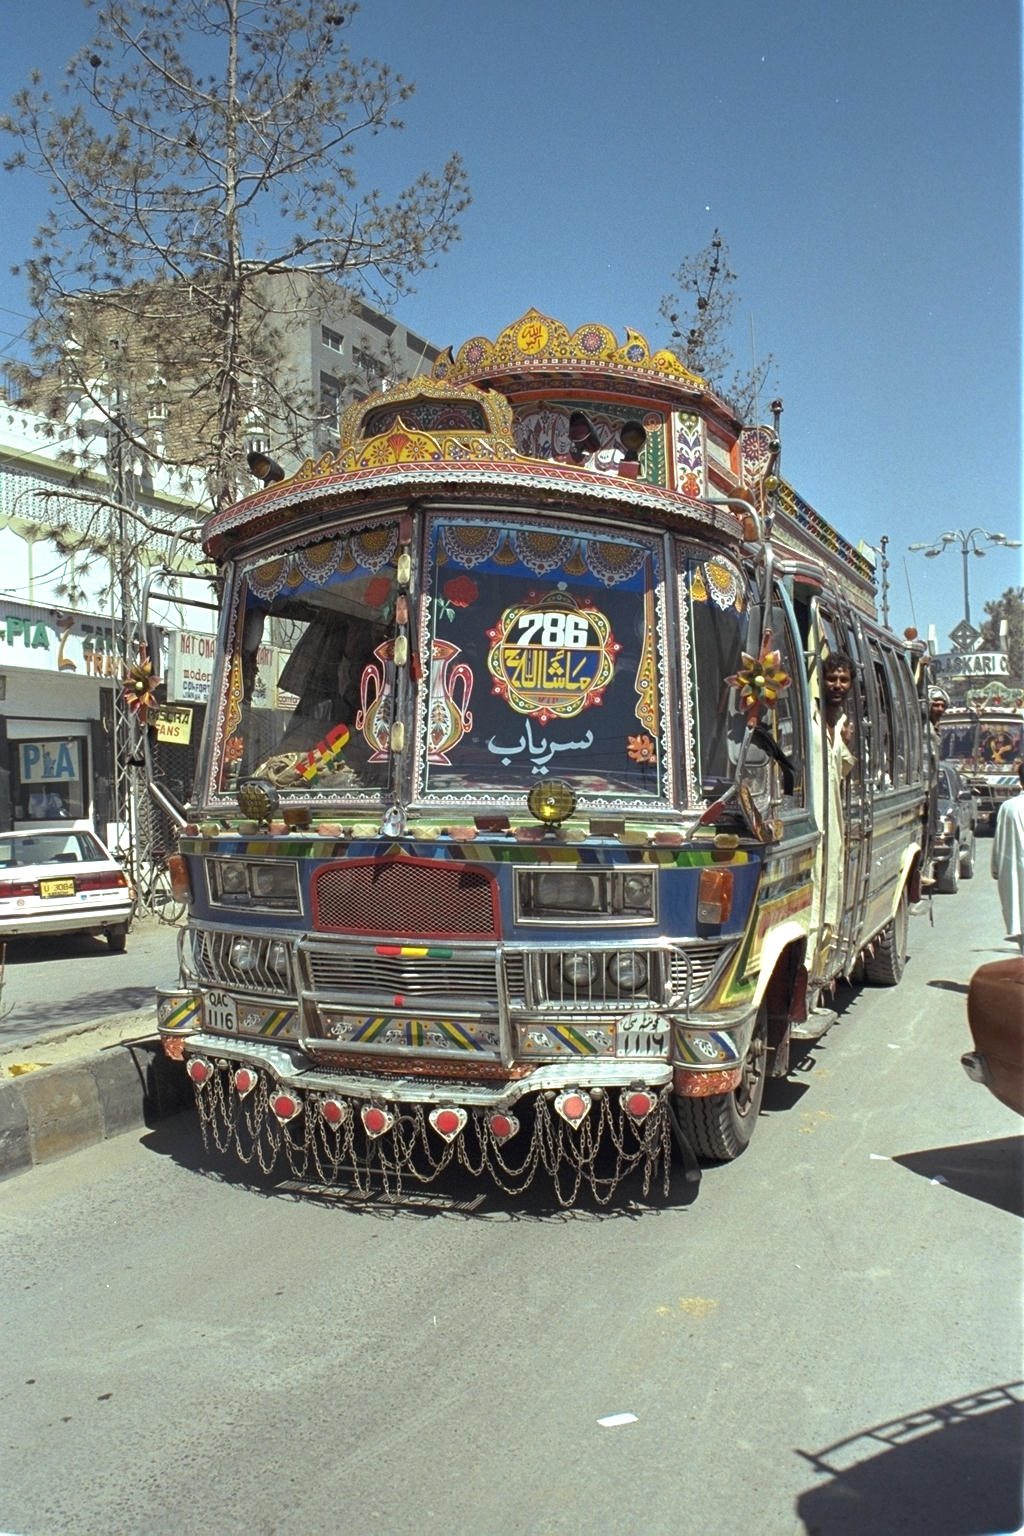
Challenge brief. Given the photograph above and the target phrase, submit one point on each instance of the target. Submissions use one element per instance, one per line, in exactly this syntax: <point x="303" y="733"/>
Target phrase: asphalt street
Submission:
<point x="825" y="1339"/>
<point x="55" y="984"/>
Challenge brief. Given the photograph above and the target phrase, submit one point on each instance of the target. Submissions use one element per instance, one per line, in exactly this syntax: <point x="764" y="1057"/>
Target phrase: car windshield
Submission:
<point x="49" y="848"/>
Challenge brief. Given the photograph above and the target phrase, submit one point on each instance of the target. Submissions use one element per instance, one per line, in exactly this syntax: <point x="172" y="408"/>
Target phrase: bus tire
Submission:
<point x="885" y="967"/>
<point x="721" y="1125"/>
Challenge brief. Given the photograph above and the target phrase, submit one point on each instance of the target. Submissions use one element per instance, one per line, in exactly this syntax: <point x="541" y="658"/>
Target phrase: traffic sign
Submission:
<point x="965" y="637"/>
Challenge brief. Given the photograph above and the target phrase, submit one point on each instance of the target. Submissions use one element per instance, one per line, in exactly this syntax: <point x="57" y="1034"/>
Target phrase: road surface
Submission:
<point x="826" y="1339"/>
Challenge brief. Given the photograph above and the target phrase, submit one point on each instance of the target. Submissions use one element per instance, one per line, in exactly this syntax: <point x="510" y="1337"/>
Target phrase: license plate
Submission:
<point x="641" y="1034"/>
<point x="219" y="1012"/>
<point x="56" y="887"/>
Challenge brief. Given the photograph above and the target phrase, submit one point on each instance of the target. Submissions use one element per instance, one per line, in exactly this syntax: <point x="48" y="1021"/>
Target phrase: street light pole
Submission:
<point x="968" y="545"/>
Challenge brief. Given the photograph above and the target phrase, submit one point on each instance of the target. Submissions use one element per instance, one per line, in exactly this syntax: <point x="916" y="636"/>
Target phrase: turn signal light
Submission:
<point x="714" y="896"/>
<point x="177" y="868"/>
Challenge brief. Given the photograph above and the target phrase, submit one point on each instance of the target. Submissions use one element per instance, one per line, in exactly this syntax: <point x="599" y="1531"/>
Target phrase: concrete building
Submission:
<point x="84" y="516"/>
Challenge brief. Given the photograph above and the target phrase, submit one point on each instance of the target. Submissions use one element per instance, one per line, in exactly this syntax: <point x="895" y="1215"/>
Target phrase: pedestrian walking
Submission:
<point x="1008" y="861"/>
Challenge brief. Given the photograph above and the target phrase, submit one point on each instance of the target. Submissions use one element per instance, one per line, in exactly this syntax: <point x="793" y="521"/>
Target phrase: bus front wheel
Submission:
<point x="721" y="1125"/>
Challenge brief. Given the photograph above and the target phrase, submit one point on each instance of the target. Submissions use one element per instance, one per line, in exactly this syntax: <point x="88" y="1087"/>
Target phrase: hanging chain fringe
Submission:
<point x="410" y="1150"/>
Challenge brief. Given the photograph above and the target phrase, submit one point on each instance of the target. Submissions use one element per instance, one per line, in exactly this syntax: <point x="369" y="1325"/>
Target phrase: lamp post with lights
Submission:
<point x="968" y="546"/>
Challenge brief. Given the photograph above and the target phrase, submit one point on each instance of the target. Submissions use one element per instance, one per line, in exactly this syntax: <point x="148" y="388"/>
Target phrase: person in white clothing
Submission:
<point x="1008" y="862"/>
<point x="834" y="762"/>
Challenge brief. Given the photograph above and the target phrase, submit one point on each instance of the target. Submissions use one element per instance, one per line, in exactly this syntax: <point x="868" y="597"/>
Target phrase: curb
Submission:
<point x="103" y="1089"/>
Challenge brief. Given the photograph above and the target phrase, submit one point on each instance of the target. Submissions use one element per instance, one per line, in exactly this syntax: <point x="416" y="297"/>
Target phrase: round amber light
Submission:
<point x="552" y="802"/>
<point x="257" y="799"/>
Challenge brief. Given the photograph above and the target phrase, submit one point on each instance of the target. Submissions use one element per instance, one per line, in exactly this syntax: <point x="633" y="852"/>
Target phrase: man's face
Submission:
<point x="838" y="683"/>
<point x="938" y="709"/>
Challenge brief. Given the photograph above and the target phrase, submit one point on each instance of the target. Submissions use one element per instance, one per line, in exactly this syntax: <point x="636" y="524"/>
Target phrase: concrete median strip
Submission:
<point x="67" y="1091"/>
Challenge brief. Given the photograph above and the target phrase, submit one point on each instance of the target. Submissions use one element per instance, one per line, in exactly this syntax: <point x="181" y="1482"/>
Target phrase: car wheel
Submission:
<point x="948" y="878"/>
<point x="967" y="860"/>
<point x="117" y="938"/>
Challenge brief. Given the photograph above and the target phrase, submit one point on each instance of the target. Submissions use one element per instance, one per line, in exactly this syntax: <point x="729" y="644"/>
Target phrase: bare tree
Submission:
<point x="201" y="156"/>
<point x="701" y="309"/>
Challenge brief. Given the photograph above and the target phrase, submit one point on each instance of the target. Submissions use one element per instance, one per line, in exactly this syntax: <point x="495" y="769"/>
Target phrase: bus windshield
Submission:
<point x="522" y="650"/>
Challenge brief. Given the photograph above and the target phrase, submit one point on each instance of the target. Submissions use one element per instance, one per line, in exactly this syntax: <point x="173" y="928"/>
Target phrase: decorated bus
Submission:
<point x="984" y="738"/>
<point x="512" y="846"/>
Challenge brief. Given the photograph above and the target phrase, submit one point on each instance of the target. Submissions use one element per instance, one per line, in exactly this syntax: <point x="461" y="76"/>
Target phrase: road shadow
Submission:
<point x="67" y="946"/>
<point x="951" y="1469"/>
<point x="992" y="1171"/>
<point x="454" y="1192"/>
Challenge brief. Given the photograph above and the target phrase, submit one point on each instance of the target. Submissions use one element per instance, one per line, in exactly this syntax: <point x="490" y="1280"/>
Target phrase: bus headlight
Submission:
<point x="231" y="878"/>
<point x="552" y="893"/>
<point x="577" y="970"/>
<point x="273" y="886"/>
<point x="628" y="970"/>
<point x="277" y="957"/>
<point x="243" y="954"/>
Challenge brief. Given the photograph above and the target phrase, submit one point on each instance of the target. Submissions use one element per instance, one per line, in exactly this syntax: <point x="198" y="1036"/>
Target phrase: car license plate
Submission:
<point x="219" y="1012"/>
<point x="56" y="887"/>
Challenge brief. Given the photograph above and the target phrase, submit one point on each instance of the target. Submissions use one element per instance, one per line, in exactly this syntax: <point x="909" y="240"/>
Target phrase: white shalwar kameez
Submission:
<point x="831" y="766"/>
<point x="1008" y="865"/>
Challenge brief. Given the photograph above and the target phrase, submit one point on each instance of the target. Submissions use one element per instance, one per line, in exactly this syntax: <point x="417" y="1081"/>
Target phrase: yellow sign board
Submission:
<point x="173" y="724"/>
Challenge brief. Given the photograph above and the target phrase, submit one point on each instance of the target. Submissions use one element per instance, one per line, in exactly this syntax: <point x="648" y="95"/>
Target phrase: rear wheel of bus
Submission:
<point x="721" y="1125"/>
<point x="885" y="967"/>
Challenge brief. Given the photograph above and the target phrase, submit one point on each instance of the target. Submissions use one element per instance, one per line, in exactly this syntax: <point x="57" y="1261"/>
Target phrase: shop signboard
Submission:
<point x="173" y="724"/>
<point x="47" y="640"/>
<point x="189" y="670"/>
<point x="48" y="762"/>
<point x="972" y="664"/>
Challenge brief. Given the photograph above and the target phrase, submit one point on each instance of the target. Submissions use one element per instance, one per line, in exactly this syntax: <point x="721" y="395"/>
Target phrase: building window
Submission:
<point x="372" y="369"/>
<point x="332" y="339"/>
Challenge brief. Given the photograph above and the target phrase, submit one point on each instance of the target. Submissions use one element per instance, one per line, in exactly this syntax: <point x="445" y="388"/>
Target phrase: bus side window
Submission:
<point x="908" y="707"/>
<point x="883" y="764"/>
<point x="789" y="715"/>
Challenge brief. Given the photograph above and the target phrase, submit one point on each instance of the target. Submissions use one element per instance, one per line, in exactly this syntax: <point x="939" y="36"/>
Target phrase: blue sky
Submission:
<point x="863" y="163"/>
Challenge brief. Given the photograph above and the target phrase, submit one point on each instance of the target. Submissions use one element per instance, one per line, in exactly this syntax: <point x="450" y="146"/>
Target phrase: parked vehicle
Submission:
<point x="995" y="1014"/>
<point x="511" y="841"/>
<point x="60" y="881"/>
<point x="953" y="847"/>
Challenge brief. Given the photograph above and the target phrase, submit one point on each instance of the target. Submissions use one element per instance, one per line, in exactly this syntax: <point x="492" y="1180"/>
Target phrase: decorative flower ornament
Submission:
<point x="641" y="749"/>
<point x="141" y="683"/>
<point x="760" y="680"/>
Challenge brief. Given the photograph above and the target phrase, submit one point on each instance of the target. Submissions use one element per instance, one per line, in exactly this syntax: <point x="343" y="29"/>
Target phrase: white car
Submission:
<point x="58" y="880"/>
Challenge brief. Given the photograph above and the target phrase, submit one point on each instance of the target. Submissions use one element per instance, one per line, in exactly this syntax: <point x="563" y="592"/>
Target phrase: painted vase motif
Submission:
<point x="449" y="718"/>
<point x="376" y="689"/>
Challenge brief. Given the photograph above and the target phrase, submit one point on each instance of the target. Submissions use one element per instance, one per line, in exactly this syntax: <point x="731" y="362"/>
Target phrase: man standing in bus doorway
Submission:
<point x="834" y="764"/>
<point x="1008" y="861"/>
